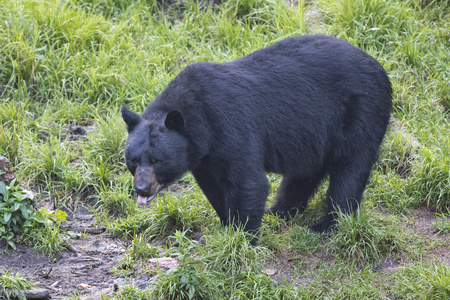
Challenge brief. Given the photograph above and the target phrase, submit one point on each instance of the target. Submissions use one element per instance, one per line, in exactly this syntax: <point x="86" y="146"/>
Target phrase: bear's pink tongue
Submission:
<point x="143" y="200"/>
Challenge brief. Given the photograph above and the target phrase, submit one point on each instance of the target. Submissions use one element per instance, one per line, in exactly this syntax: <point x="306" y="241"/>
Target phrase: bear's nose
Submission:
<point x="142" y="190"/>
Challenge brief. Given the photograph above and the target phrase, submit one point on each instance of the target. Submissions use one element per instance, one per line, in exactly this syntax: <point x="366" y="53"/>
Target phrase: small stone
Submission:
<point x="164" y="262"/>
<point x="85" y="286"/>
<point x="269" y="272"/>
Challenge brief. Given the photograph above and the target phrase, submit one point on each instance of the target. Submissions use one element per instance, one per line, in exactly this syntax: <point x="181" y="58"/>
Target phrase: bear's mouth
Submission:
<point x="142" y="200"/>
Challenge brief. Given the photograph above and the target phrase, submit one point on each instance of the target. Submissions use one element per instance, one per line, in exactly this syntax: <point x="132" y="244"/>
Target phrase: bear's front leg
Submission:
<point x="245" y="199"/>
<point x="237" y="195"/>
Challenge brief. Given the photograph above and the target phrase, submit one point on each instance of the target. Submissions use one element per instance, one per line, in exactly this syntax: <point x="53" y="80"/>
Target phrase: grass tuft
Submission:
<point x="12" y="286"/>
<point x="366" y="236"/>
<point x="423" y="281"/>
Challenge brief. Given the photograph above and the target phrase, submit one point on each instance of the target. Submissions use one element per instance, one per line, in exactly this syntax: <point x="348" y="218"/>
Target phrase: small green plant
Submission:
<point x="19" y="220"/>
<point x="140" y="249"/>
<point x="271" y="234"/>
<point x="184" y="212"/>
<point x="126" y="292"/>
<point x="444" y="95"/>
<point x="433" y="178"/>
<point x="240" y="8"/>
<point x="133" y="224"/>
<point x="43" y="231"/>
<point x="188" y="280"/>
<point x="9" y="142"/>
<point x="12" y="286"/>
<point x="16" y="209"/>
<point x="260" y="286"/>
<point x="116" y="196"/>
<point x="442" y="224"/>
<point x="187" y="273"/>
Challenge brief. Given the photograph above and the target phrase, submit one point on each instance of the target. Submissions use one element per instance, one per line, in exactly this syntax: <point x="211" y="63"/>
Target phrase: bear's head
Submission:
<point x="155" y="151"/>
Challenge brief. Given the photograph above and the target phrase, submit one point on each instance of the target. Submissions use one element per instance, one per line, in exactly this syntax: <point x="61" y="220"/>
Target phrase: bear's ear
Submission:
<point x="130" y="118"/>
<point x="175" y="121"/>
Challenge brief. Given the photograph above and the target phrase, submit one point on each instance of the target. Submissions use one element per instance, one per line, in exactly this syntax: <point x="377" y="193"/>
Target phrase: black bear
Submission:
<point x="305" y="107"/>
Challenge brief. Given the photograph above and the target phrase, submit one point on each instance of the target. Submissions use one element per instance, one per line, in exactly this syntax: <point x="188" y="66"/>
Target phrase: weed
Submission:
<point x="188" y="280"/>
<point x="140" y="249"/>
<point x="433" y="178"/>
<point x="20" y="219"/>
<point x="16" y="209"/>
<point x="303" y="241"/>
<point x="442" y="224"/>
<point x="42" y="232"/>
<point x="271" y="235"/>
<point x="116" y="197"/>
<point x="260" y="286"/>
<point x="368" y="24"/>
<point x="12" y="286"/>
<point x="9" y="143"/>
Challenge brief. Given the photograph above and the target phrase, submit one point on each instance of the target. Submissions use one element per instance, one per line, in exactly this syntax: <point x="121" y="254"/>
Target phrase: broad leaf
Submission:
<point x="12" y="245"/>
<point x="60" y="215"/>
<point x="24" y="211"/>
<point x="29" y="194"/>
<point x="3" y="190"/>
<point x="19" y="195"/>
<point x="7" y="216"/>
<point x="15" y="207"/>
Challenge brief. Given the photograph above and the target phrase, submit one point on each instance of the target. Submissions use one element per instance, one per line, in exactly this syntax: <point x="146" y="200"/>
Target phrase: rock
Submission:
<point x="37" y="294"/>
<point x="164" y="262"/>
<point x="5" y="166"/>
<point x="98" y="294"/>
<point x="269" y="271"/>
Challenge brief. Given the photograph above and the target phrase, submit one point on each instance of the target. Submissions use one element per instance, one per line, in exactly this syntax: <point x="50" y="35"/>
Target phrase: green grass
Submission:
<point x="12" y="286"/>
<point x="68" y="63"/>
<point x="366" y="236"/>
<point x="423" y="281"/>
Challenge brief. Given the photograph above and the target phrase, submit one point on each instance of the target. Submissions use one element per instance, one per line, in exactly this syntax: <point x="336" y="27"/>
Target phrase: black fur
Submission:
<point x="304" y="108"/>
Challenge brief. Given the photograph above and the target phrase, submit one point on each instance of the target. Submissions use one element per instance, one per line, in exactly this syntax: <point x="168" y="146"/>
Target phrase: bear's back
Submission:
<point x="293" y="103"/>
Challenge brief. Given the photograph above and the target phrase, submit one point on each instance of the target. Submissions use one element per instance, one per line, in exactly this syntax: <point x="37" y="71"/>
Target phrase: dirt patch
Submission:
<point x="85" y="268"/>
<point x="78" y="132"/>
<point x="88" y="265"/>
<point x="423" y="221"/>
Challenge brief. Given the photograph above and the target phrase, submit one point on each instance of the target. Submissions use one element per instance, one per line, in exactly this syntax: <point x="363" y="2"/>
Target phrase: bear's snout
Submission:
<point x="143" y="190"/>
<point x="145" y="182"/>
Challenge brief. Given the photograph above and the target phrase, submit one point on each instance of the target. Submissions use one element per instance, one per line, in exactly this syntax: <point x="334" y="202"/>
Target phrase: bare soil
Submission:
<point x="86" y="267"/>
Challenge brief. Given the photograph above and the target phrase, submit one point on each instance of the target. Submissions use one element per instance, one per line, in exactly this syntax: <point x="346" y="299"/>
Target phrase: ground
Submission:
<point x="87" y="267"/>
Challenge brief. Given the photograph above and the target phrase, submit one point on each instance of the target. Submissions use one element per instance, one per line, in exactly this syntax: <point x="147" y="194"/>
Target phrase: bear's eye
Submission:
<point x="154" y="161"/>
<point x="134" y="163"/>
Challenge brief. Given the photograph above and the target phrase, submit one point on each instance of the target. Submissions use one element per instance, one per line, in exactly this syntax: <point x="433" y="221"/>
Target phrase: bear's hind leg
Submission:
<point x="293" y="195"/>
<point x="347" y="183"/>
